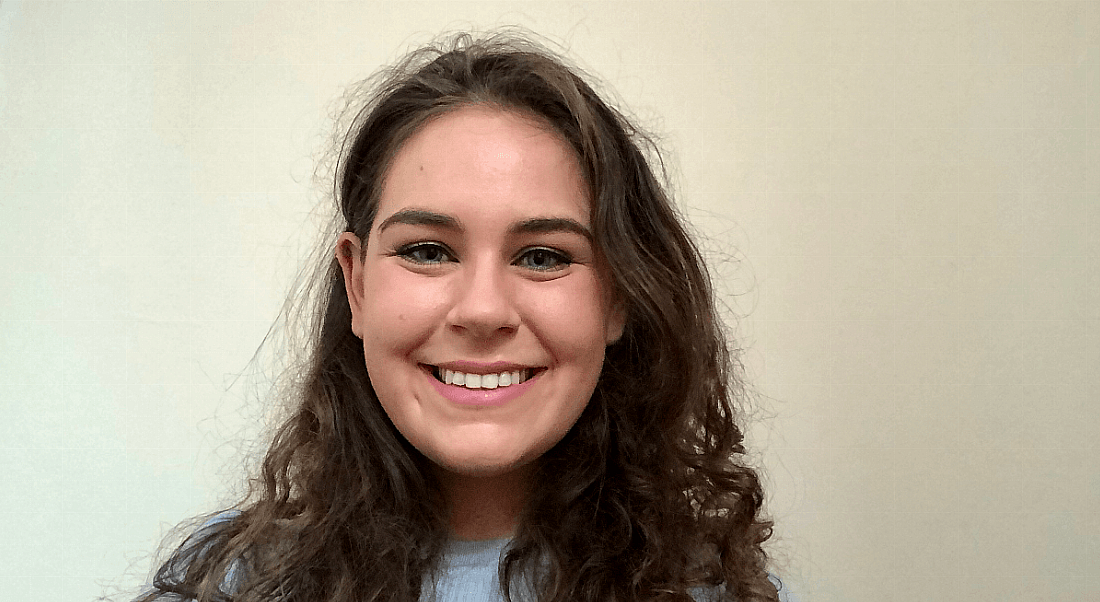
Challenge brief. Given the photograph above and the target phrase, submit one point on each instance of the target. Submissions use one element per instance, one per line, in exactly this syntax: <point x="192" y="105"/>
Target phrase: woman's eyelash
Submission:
<point x="428" y="253"/>
<point x="543" y="259"/>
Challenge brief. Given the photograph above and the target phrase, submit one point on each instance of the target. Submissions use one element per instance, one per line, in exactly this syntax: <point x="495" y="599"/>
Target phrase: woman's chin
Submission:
<point x="480" y="465"/>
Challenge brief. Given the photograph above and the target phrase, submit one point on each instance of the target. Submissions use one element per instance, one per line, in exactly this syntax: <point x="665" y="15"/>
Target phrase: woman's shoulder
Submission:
<point x="469" y="572"/>
<point x="785" y="594"/>
<point x="714" y="594"/>
<point x="169" y="581"/>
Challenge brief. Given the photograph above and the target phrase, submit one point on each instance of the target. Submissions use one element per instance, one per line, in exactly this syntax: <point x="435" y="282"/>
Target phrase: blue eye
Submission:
<point x="425" y="253"/>
<point x="543" y="260"/>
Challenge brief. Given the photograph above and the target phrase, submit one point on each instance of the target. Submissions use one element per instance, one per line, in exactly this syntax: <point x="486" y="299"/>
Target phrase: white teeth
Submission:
<point x="483" y="381"/>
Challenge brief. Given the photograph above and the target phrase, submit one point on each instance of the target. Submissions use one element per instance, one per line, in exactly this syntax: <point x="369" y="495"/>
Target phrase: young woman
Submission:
<point x="519" y="386"/>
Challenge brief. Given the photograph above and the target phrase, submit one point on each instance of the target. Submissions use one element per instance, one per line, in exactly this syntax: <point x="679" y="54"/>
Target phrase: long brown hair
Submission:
<point x="346" y="509"/>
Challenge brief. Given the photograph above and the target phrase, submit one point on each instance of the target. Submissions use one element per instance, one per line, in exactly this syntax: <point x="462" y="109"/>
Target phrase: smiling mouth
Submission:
<point x="483" y="381"/>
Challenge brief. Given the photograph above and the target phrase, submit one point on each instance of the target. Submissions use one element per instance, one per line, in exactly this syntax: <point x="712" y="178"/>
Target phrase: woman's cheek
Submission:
<point x="569" y="310"/>
<point x="406" y="304"/>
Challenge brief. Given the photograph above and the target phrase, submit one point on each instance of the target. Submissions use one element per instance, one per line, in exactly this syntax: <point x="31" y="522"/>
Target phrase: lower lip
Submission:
<point x="481" y="397"/>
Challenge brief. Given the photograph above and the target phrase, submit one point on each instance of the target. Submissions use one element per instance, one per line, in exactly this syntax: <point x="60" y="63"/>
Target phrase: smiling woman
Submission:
<point x="519" y="386"/>
<point x="481" y="266"/>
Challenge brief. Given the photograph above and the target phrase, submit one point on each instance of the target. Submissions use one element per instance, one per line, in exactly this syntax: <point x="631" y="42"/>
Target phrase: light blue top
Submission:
<point x="468" y="573"/>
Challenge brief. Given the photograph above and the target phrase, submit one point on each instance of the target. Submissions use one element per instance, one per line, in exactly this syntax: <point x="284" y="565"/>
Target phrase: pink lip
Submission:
<point x="480" y="397"/>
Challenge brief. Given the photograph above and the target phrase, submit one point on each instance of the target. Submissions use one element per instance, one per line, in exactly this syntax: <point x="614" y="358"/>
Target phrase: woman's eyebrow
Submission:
<point x="420" y="217"/>
<point x="535" y="225"/>
<point x="538" y="225"/>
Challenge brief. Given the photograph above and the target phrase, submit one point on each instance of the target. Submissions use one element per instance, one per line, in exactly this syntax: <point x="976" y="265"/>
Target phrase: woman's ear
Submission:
<point x="349" y="252"/>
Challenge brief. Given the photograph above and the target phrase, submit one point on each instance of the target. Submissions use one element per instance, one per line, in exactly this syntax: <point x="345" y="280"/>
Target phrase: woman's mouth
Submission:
<point x="491" y="380"/>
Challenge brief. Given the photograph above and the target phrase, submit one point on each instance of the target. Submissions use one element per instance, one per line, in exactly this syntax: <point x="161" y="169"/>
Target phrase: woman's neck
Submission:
<point x="485" y="507"/>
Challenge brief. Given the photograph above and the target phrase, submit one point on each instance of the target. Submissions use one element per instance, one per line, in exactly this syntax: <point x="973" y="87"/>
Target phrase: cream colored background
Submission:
<point x="913" y="189"/>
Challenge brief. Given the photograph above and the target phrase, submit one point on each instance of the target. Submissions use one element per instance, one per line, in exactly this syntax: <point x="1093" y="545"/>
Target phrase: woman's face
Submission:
<point x="480" y="297"/>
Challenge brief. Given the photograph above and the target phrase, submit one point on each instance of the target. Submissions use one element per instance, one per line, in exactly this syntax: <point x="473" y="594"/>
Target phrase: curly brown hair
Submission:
<point x="346" y="509"/>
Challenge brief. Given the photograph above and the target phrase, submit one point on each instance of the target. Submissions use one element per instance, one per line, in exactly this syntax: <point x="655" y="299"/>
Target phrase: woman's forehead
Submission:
<point x="485" y="162"/>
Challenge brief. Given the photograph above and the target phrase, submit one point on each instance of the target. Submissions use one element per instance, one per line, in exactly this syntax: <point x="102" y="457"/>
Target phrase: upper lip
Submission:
<point x="472" y="367"/>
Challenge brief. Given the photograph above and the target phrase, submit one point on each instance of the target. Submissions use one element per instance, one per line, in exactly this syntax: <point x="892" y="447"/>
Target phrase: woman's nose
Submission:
<point x="483" y="304"/>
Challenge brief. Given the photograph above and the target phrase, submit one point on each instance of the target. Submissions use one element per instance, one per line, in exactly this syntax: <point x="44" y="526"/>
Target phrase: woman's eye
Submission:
<point x="425" y="253"/>
<point x="543" y="260"/>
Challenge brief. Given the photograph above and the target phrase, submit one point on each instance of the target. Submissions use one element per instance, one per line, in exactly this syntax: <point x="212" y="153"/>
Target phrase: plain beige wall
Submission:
<point x="912" y="190"/>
